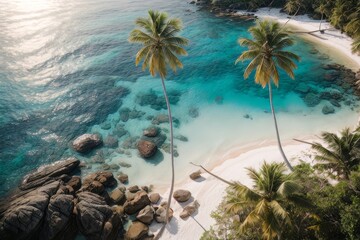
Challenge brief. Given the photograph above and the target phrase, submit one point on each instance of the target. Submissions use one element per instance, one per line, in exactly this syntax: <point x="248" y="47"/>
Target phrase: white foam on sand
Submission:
<point x="229" y="142"/>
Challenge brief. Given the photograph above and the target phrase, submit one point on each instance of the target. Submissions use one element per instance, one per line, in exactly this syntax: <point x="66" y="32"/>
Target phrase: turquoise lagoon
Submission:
<point x="64" y="68"/>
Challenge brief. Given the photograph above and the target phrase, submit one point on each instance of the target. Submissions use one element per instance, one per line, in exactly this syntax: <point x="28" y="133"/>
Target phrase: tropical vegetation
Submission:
<point x="267" y="56"/>
<point x="161" y="45"/>
<point x="322" y="209"/>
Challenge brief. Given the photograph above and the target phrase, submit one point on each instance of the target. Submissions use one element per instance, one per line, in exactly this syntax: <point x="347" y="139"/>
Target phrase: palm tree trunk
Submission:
<point x="171" y="150"/>
<point x="277" y="130"/>
<point x="322" y="15"/>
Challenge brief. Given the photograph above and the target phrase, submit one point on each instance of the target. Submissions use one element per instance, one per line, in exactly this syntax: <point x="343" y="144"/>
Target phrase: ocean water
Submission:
<point x="66" y="68"/>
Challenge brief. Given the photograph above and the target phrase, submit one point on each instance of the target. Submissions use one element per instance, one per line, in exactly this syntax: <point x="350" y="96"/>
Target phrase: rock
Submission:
<point x="159" y="119"/>
<point x="123" y="178"/>
<point x="182" y="195"/>
<point x="219" y="99"/>
<point x="124" y="164"/>
<point x="120" y="131"/>
<point x="114" y="166"/>
<point x="94" y="187"/>
<point x="145" y="188"/>
<point x="117" y="196"/>
<point x="311" y="100"/>
<point x="357" y="75"/>
<point x="195" y="175"/>
<point x="105" y="126"/>
<point x="331" y="94"/>
<point x="189" y="209"/>
<point x="302" y="88"/>
<point x="104" y="177"/>
<point x="134" y="189"/>
<point x="111" y="142"/>
<point x="335" y="103"/>
<point x="95" y="219"/>
<point x="130" y="142"/>
<point x="136" y="231"/>
<point x="327" y="109"/>
<point x="182" y="138"/>
<point x="154" y="198"/>
<point x="146" y="215"/>
<point x="22" y="217"/>
<point x="49" y="173"/>
<point x="139" y="202"/>
<point x="124" y="114"/>
<point x="58" y="215"/>
<point x="86" y="142"/>
<point x="160" y="214"/>
<point x="75" y="183"/>
<point x="146" y="148"/>
<point x="151" y="132"/>
<point x="99" y="157"/>
<point x="192" y="2"/>
<point x="194" y="112"/>
<point x="135" y="114"/>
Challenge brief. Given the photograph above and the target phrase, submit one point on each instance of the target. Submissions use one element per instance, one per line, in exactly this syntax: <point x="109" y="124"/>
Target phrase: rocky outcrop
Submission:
<point x="95" y="219"/>
<point x="49" y="173"/>
<point x="146" y="148"/>
<point x="182" y="195"/>
<point x="22" y="217"/>
<point x="86" y="142"/>
<point x="140" y="201"/>
<point x="137" y="231"/>
<point x="58" y="219"/>
<point x="189" y="209"/>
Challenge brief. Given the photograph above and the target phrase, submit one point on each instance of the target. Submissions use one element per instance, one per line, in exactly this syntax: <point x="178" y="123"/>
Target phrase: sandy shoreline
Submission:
<point x="209" y="191"/>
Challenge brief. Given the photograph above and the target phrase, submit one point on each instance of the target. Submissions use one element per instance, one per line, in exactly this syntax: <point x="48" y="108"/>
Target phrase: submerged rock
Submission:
<point x="151" y="131"/>
<point x="327" y="109"/>
<point x="146" y="148"/>
<point x="311" y="100"/>
<point x="111" y="142"/>
<point x="86" y="142"/>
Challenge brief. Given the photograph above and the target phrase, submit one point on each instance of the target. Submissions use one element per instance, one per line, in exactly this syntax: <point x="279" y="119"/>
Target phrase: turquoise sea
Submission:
<point x="66" y="68"/>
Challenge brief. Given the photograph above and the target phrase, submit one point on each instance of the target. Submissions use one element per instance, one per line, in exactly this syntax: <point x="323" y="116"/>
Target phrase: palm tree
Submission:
<point x="265" y="204"/>
<point x="267" y="56"/>
<point x="161" y="45"/>
<point x="321" y="9"/>
<point x="340" y="14"/>
<point x="340" y="155"/>
<point x="355" y="46"/>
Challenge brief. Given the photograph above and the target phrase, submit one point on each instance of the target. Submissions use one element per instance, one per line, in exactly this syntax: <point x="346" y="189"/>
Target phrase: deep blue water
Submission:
<point x="67" y="67"/>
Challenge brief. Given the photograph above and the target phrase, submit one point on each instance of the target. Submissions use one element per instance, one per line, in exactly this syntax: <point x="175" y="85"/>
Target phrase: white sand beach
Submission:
<point x="209" y="191"/>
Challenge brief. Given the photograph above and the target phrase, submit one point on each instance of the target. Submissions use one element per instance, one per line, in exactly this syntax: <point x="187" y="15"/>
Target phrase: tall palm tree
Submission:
<point x="340" y="155"/>
<point x="321" y="9"/>
<point x="161" y="44"/>
<point x="265" y="204"/>
<point x="267" y="56"/>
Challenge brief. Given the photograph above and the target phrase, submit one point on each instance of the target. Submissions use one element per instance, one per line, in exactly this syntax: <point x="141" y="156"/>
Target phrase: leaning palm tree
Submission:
<point x="321" y="9"/>
<point x="267" y="56"/>
<point x="161" y="44"/>
<point x="340" y="155"/>
<point x="265" y="204"/>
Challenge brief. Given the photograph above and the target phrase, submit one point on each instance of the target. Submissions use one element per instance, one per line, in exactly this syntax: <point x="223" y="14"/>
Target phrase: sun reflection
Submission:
<point x="33" y="5"/>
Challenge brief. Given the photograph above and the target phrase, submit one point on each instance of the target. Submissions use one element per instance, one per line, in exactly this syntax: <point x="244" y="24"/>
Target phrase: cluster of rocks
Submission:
<point x="53" y="203"/>
<point x="157" y="102"/>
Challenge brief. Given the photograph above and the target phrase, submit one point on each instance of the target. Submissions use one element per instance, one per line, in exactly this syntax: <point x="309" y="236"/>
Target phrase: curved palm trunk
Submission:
<point x="171" y="150"/>
<point x="277" y="130"/>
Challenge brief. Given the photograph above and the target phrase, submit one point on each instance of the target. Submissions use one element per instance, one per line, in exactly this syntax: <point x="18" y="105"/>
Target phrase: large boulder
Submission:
<point x="58" y="217"/>
<point x="189" y="209"/>
<point x="22" y="217"/>
<point x="140" y="201"/>
<point x="146" y="148"/>
<point x="182" y="195"/>
<point x="86" y="142"/>
<point x="74" y="182"/>
<point x="49" y="173"/>
<point x="146" y="215"/>
<point x="95" y="219"/>
<point x="137" y="231"/>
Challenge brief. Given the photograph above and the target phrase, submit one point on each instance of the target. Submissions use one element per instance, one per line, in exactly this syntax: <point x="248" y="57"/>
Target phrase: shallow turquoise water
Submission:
<point x="64" y="67"/>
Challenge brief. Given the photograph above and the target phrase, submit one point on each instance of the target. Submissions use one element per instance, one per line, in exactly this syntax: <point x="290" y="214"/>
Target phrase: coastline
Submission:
<point x="332" y="42"/>
<point x="209" y="191"/>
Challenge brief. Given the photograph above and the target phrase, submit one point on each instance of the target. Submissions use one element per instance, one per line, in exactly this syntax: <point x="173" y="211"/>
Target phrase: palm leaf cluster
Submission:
<point x="341" y="155"/>
<point x="266" y="203"/>
<point x="266" y="53"/>
<point x="161" y="45"/>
